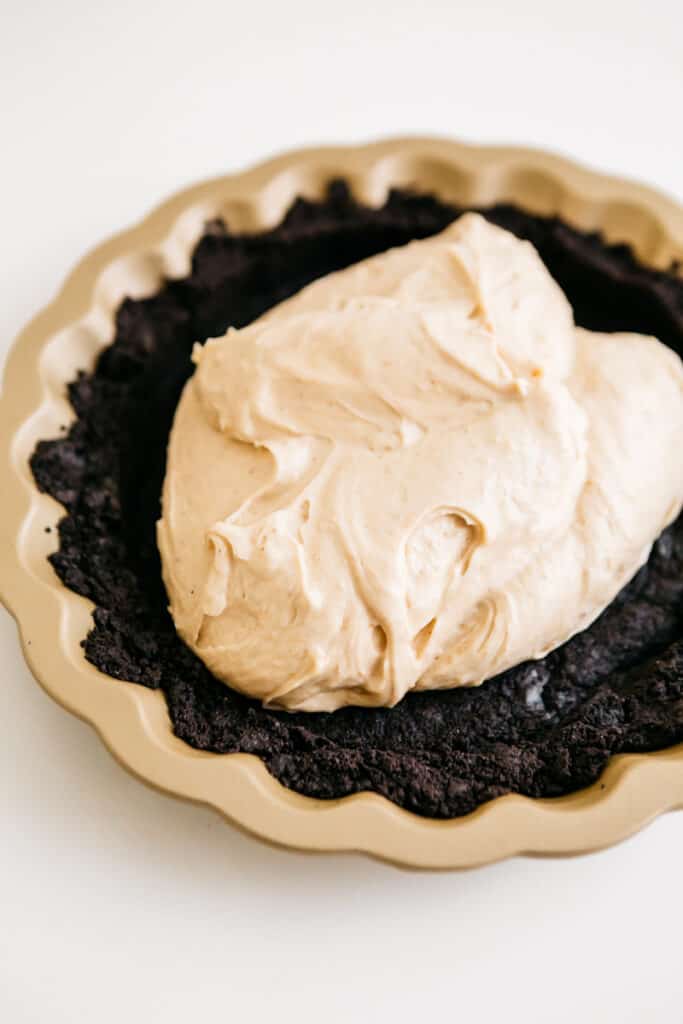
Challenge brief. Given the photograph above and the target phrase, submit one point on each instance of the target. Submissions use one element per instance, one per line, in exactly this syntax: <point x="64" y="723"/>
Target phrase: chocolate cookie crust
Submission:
<point x="542" y="729"/>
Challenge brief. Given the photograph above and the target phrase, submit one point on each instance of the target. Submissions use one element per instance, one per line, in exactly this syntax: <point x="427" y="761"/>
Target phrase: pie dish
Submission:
<point x="133" y="720"/>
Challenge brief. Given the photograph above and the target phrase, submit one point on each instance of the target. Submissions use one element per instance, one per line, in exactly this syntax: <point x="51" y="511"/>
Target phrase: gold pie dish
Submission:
<point x="132" y="720"/>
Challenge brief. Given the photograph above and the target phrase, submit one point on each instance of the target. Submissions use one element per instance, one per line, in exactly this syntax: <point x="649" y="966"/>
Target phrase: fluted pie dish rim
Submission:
<point x="132" y="720"/>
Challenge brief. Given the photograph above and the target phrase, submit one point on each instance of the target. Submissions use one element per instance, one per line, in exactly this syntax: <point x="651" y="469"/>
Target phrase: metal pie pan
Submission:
<point x="133" y="721"/>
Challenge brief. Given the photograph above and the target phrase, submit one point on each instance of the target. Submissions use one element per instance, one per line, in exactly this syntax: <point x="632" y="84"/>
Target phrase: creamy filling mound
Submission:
<point x="414" y="474"/>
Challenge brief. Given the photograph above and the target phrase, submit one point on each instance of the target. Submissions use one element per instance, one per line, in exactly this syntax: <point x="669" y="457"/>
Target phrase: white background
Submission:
<point x="117" y="904"/>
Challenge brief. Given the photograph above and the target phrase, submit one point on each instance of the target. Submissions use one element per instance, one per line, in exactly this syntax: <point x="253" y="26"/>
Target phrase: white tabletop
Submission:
<point x="117" y="903"/>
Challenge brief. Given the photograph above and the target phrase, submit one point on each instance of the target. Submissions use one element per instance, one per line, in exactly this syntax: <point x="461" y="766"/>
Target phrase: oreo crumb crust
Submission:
<point x="542" y="729"/>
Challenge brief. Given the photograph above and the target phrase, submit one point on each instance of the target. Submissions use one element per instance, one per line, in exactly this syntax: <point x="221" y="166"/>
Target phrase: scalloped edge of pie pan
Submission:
<point x="133" y="721"/>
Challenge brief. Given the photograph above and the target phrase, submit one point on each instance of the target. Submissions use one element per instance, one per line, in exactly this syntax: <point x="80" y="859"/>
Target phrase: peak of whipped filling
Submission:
<point x="416" y="473"/>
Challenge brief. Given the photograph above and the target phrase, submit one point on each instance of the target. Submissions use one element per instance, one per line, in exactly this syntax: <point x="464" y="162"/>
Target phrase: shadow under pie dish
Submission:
<point x="543" y="729"/>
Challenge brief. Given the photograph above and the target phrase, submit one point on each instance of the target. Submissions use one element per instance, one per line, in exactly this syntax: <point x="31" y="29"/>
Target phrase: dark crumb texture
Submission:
<point x="544" y="728"/>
